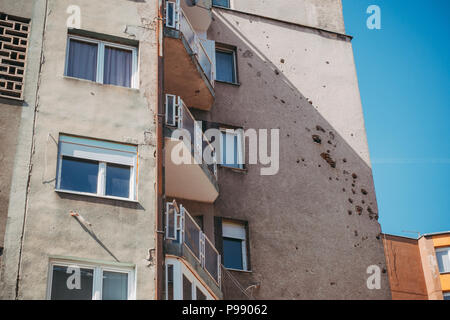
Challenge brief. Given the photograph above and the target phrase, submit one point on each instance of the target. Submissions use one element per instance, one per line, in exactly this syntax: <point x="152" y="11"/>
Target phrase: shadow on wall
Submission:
<point x="318" y="215"/>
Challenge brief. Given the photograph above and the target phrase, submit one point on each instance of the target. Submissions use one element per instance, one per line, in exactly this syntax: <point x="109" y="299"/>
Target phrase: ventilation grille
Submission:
<point x="14" y="33"/>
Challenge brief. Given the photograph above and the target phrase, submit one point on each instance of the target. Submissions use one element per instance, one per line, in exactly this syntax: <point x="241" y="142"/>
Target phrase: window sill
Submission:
<point x="444" y="273"/>
<point x="95" y="195"/>
<point x="237" y="270"/>
<point x="236" y="84"/>
<point x="100" y="84"/>
<point x="237" y="170"/>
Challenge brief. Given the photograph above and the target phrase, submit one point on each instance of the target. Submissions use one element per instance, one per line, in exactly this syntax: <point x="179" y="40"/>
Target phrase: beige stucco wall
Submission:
<point x="123" y="230"/>
<point x="323" y="14"/>
<point x="430" y="268"/>
<point x="307" y="240"/>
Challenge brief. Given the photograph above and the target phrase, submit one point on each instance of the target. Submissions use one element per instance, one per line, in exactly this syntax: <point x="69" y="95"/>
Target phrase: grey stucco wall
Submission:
<point x="122" y="231"/>
<point x="313" y="226"/>
<point x="323" y="14"/>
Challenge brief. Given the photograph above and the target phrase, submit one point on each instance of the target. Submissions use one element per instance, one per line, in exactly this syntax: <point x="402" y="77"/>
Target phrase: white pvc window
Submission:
<point x="443" y="258"/>
<point x="234" y="242"/>
<point x="97" y="168"/>
<point x="232" y="149"/>
<point x="182" y="284"/>
<point x="102" y="62"/>
<point x="86" y="281"/>
<point x="446" y="295"/>
<point x="172" y="14"/>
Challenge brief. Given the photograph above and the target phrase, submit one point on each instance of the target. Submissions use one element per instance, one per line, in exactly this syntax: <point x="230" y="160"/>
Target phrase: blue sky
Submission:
<point x="404" y="78"/>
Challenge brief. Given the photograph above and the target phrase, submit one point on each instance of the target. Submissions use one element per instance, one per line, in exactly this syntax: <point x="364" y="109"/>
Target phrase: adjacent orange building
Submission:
<point x="418" y="269"/>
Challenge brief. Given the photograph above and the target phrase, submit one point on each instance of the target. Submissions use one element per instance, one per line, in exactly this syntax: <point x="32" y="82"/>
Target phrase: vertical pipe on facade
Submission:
<point x="159" y="158"/>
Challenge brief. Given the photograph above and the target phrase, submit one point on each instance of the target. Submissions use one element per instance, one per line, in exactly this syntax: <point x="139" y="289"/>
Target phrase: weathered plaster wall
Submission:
<point x="323" y="14"/>
<point x="430" y="268"/>
<point x="405" y="270"/>
<point x="16" y="137"/>
<point x="122" y="231"/>
<point x="313" y="226"/>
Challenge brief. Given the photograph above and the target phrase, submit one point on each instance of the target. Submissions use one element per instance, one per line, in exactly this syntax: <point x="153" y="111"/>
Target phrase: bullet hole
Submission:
<point x="332" y="135"/>
<point x="364" y="238"/>
<point x="352" y="134"/>
<point x="363" y="202"/>
<point x="197" y="92"/>
<point x="282" y="101"/>
<point x="250" y="65"/>
<point x="350" y="200"/>
<point x="327" y="62"/>
<point x="353" y="191"/>
<point x="328" y="159"/>
<point x="319" y="128"/>
<point x="384" y="270"/>
<point x="346" y="172"/>
<point x="92" y="94"/>
<point x="258" y="74"/>
<point x="317" y="139"/>
<point x="356" y="233"/>
<point x="343" y="190"/>
<point x="306" y="49"/>
<point x="350" y="212"/>
<point x="282" y="60"/>
<point x="330" y="178"/>
<point x="372" y="215"/>
<point x="378" y="237"/>
<point x="320" y="166"/>
<point x="354" y="176"/>
<point x="328" y="151"/>
<point x="332" y="283"/>
<point x="275" y="97"/>
<point x="359" y="210"/>
<point x="303" y="159"/>
<point x="344" y="160"/>
<point x="310" y="102"/>
<point x="296" y="248"/>
<point x="353" y="185"/>
<point x="298" y="161"/>
<point x="247" y="54"/>
<point x="337" y="179"/>
<point x="307" y="129"/>
<point x="277" y="72"/>
<point x="329" y="142"/>
<point x="364" y="192"/>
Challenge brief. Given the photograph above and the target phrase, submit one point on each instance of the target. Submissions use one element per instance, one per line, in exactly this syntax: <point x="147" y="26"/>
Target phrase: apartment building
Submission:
<point x="419" y="269"/>
<point x="95" y="203"/>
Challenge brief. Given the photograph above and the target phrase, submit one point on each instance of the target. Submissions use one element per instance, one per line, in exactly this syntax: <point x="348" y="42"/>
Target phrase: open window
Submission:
<point x="98" y="168"/>
<point x="101" y="61"/>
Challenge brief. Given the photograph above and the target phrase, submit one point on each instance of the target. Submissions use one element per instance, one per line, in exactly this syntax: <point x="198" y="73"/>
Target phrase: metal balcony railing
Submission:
<point x="177" y="19"/>
<point x="182" y="228"/>
<point x="179" y="116"/>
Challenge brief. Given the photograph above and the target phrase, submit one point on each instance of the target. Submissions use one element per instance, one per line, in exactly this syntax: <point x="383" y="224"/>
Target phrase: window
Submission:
<point x="101" y="61"/>
<point x="226" y="65"/>
<point x="232" y="151"/>
<point x="234" y="237"/>
<point x="84" y="281"/>
<point x="443" y="257"/>
<point x="447" y="296"/>
<point x="221" y="3"/>
<point x="94" y="167"/>
<point x="182" y="283"/>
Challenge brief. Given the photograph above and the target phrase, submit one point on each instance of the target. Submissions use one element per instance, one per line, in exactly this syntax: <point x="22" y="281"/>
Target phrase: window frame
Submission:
<point x="97" y="279"/>
<point x="101" y="44"/>
<point x="219" y="6"/>
<point x="102" y="166"/>
<point x="180" y="270"/>
<point x="444" y="249"/>
<point x="446" y="294"/>
<point x="228" y="49"/>
<point x="239" y="148"/>
<point x="234" y="234"/>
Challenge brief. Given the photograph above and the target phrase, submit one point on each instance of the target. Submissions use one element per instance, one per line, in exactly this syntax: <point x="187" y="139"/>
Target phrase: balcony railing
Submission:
<point x="182" y="228"/>
<point x="179" y="116"/>
<point x="202" y="48"/>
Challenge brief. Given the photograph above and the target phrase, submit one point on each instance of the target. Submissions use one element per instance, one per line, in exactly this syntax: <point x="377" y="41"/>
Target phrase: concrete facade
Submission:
<point x="309" y="223"/>
<point x="121" y="231"/>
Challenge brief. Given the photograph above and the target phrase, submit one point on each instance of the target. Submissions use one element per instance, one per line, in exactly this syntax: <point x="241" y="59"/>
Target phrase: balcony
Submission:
<point x="194" y="177"/>
<point x="185" y="239"/>
<point x="189" y="58"/>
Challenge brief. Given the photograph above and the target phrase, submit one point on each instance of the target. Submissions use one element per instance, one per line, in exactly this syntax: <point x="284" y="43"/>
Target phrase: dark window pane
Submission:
<point x="115" y="286"/>
<point x="200" y="295"/>
<point x="170" y="13"/>
<point x="199" y="221"/>
<point x="82" y="62"/>
<point x="187" y="289"/>
<point x="222" y="3"/>
<point x="225" y="66"/>
<point x="79" y="175"/>
<point x="170" y="282"/>
<point x="118" y="67"/>
<point x="118" y="180"/>
<point x="232" y="253"/>
<point x="66" y="286"/>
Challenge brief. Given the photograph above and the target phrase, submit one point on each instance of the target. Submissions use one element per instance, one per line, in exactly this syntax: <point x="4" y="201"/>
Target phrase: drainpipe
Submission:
<point x="159" y="160"/>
